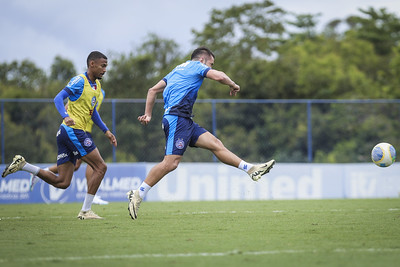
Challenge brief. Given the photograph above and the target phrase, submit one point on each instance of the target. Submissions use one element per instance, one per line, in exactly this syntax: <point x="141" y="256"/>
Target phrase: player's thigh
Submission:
<point x="208" y="141"/>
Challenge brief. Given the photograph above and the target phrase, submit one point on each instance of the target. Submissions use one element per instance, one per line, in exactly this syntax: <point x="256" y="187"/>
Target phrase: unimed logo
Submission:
<point x="50" y="194"/>
<point x="14" y="186"/>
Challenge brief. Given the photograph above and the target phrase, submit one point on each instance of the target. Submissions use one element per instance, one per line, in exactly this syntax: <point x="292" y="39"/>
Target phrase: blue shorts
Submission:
<point x="73" y="144"/>
<point x="179" y="133"/>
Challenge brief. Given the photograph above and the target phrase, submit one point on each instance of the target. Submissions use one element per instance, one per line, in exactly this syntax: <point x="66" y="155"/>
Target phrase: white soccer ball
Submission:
<point x="383" y="154"/>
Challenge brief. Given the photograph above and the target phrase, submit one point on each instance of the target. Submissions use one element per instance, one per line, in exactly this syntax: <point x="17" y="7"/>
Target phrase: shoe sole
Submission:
<point x="130" y="196"/>
<point x="269" y="168"/>
<point x="266" y="170"/>
<point x="83" y="218"/>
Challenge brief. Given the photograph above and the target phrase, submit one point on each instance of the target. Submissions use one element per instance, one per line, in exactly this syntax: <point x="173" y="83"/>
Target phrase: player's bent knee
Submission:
<point x="217" y="145"/>
<point x="101" y="168"/>
<point x="173" y="166"/>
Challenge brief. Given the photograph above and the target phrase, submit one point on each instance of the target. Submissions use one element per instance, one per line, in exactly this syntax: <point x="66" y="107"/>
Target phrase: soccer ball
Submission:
<point x="383" y="154"/>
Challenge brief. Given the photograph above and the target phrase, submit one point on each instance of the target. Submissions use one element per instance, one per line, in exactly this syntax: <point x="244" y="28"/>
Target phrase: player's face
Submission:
<point x="99" y="67"/>
<point x="209" y="61"/>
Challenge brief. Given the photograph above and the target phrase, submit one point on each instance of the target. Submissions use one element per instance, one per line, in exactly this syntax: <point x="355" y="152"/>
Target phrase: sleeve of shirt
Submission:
<point x="203" y="69"/>
<point x="76" y="85"/>
<point x="97" y="120"/>
<point x="59" y="102"/>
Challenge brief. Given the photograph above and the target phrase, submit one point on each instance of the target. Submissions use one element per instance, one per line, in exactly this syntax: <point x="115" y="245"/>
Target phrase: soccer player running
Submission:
<point x="33" y="180"/>
<point x="179" y="90"/>
<point x="83" y="93"/>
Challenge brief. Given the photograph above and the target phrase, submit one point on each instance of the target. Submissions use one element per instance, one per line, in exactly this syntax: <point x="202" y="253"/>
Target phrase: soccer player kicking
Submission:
<point x="179" y="90"/>
<point x="83" y="93"/>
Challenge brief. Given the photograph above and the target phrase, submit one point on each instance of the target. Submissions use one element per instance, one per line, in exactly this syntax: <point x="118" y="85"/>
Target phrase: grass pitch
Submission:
<point x="362" y="232"/>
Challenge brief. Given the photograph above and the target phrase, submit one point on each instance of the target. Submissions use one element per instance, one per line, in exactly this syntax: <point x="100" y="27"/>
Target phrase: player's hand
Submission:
<point x="234" y="89"/>
<point x="68" y="121"/>
<point x="144" y="119"/>
<point x="111" y="137"/>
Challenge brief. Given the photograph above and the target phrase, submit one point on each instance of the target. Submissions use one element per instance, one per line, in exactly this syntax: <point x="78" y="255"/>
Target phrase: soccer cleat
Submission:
<point x="16" y="165"/>
<point x="99" y="201"/>
<point x="33" y="179"/>
<point x="134" y="203"/>
<point x="88" y="215"/>
<point x="259" y="170"/>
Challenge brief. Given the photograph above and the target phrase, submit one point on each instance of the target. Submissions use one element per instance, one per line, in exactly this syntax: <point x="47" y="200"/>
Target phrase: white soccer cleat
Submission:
<point x="16" y="165"/>
<point x="33" y="179"/>
<point x="134" y="203"/>
<point x="259" y="170"/>
<point x="99" y="201"/>
<point x="88" y="215"/>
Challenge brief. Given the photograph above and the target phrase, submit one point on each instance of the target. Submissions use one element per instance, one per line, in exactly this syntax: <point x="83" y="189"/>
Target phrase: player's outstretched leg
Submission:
<point x="134" y="203"/>
<point x="16" y="165"/>
<point x="259" y="170"/>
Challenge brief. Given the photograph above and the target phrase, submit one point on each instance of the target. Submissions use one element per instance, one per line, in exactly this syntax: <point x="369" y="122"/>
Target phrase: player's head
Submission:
<point x="97" y="64"/>
<point x="204" y="55"/>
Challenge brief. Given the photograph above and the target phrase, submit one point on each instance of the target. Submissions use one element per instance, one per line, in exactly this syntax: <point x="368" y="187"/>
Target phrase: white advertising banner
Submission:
<point x="216" y="181"/>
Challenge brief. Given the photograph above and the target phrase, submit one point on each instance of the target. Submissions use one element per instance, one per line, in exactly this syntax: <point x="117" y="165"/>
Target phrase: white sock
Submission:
<point x="143" y="189"/>
<point x="243" y="165"/>
<point x="87" y="203"/>
<point x="31" y="168"/>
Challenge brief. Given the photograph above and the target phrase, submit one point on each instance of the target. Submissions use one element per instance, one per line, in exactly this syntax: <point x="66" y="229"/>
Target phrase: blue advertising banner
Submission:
<point x="216" y="181"/>
<point x="119" y="179"/>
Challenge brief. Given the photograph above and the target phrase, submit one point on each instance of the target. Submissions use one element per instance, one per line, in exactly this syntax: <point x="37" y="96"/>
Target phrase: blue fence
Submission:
<point x="216" y="115"/>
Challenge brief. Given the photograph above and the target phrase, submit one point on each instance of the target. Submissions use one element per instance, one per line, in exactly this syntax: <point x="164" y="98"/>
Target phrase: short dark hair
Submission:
<point x="202" y="51"/>
<point x="94" y="55"/>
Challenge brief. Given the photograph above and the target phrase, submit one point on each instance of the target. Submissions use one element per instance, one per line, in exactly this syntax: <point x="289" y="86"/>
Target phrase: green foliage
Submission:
<point x="271" y="53"/>
<point x="62" y="69"/>
<point x="130" y="76"/>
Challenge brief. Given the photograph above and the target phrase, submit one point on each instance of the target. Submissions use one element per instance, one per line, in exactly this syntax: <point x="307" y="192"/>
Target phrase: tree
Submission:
<point x="62" y="69"/>
<point x="379" y="27"/>
<point x="21" y="79"/>
<point x="132" y="75"/>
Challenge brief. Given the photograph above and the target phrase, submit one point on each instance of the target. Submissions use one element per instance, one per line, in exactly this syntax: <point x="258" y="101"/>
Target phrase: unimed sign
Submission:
<point x="216" y="181"/>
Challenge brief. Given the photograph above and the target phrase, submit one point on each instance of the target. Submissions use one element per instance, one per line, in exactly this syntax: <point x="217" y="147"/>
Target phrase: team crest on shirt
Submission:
<point x="87" y="142"/>
<point x="180" y="144"/>
<point x="93" y="101"/>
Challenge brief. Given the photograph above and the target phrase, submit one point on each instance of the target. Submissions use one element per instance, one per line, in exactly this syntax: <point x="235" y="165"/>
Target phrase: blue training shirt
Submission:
<point x="75" y="86"/>
<point x="183" y="83"/>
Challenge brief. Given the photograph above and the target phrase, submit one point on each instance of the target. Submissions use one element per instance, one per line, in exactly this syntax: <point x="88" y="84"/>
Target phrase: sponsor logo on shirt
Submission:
<point x="74" y="81"/>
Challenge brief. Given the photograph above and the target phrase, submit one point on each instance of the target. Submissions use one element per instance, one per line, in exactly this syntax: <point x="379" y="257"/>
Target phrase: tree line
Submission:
<point x="272" y="54"/>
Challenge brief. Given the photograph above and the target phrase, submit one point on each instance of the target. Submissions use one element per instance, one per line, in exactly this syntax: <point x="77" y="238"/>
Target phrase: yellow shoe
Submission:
<point x="16" y="165"/>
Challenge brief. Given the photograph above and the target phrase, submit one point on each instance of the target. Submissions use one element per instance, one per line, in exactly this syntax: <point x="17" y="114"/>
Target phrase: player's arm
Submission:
<point x="99" y="122"/>
<point x="150" y="100"/>
<point x="221" y="77"/>
<point x="59" y="103"/>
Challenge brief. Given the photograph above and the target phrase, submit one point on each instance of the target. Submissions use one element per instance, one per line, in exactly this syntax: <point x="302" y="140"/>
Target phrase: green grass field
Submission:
<point x="236" y="233"/>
